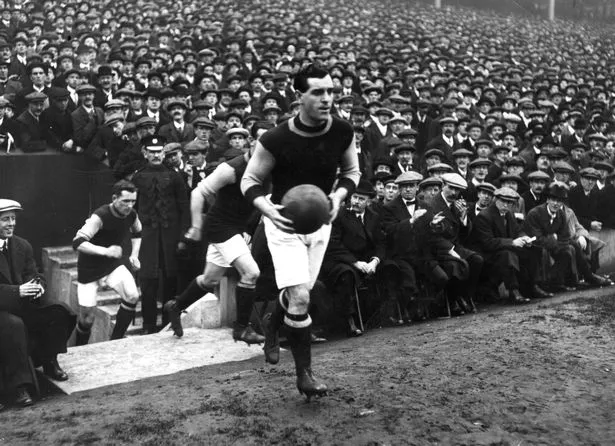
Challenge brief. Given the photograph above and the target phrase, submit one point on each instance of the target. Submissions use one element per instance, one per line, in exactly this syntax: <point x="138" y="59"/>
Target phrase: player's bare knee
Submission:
<point x="132" y="297"/>
<point x="249" y="278"/>
<point x="207" y="282"/>
<point x="298" y="299"/>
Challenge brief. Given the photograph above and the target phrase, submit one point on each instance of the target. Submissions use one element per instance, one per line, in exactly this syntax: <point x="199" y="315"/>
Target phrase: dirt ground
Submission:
<point x="534" y="375"/>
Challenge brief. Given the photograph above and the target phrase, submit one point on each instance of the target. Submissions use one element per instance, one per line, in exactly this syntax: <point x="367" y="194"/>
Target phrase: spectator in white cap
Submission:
<point x="30" y="321"/>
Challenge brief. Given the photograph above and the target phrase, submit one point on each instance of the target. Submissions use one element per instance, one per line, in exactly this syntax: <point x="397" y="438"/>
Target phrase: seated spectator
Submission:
<point x="547" y="222"/>
<point x="31" y="322"/>
<point x="441" y="236"/>
<point x="355" y="251"/>
<point x="535" y="195"/>
<point x="507" y="250"/>
<point x="583" y="199"/>
<point x="484" y="192"/>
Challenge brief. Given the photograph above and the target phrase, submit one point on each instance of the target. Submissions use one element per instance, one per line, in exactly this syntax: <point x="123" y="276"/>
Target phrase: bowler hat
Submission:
<point x="365" y="188"/>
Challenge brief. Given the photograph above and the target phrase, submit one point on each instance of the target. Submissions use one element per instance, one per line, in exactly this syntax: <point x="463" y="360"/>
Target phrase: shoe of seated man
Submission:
<point x="22" y="397"/>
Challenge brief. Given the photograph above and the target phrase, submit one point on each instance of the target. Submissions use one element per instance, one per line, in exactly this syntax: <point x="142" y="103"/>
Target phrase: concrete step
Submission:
<point x="135" y="358"/>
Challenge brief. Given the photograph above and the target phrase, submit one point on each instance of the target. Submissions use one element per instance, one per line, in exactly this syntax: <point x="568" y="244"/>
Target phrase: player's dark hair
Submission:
<point x="309" y="71"/>
<point x="123" y="185"/>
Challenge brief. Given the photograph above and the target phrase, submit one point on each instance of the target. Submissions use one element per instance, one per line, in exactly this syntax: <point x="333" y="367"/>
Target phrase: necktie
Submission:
<point x="359" y="217"/>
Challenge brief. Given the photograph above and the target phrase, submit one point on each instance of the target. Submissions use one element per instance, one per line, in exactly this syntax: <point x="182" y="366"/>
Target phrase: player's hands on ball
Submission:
<point x="114" y="251"/>
<point x="135" y="263"/>
<point x="281" y="222"/>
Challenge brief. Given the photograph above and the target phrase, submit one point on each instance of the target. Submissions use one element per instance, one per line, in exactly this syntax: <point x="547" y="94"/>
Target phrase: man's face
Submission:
<point x="7" y="224"/>
<point x="153" y="103"/>
<point x="504" y="206"/>
<point x="483" y="151"/>
<point x="543" y="162"/>
<point x="451" y="193"/>
<point x="196" y="159"/>
<point x="538" y="186"/>
<point x="233" y="122"/>
<point x="430" y="192"/>
<point x="37" y="76"/>
<point x="480" y="172"/>
<point x="484" y="198"/>
<point x="391" y="191"/>
<point x="405" y="158"/>
<point x="317" y="100"/>
<point x="177" y="112"/>
<point x="588" y="183"/>
<point x="87" y="98"/>
<point x="237" y="142"/>
<point x="73" y="80"/>
<point x="61" y="103"/>
<point x="36" y="107"/>
<point x="554" y="204"/>
<point x="154" y="157"/>
<point x="408" y="190"/>
<point x="124" y="202"/>
<point x="448" y="130"/>
<point x="202" y="133"/>
<point x="475" y="133"/>
<point x="105" y="81"/>
<point x="173" y="160"/>
<point x="4" y="72"/>
<point x="462" y="162"/>
<point x="5" y="53"/>
<point x="359" y="202"/>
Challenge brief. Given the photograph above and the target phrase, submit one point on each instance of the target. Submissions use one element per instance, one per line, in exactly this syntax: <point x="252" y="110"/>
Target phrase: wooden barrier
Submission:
<point x="57" y="191"/>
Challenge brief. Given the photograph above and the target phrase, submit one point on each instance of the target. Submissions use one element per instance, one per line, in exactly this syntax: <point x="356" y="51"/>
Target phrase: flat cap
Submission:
<point x="9" y="205"/>
<point x="116" y="117"/>
<point x="434" y="152"/>
<point x="114" y="103"/>
<point x="439" y="167"/>
<point x="454" y="180"/>
<point x="195" y="146"/>
<point x="538" y="175"/>
<point x="603" y="165"/>
<point x="36" y="96"/>
<point x="145" y="121"/>
<point x="404" y="147"/>
<point x="589" y="172"/>
<point x="237" y="131"/>
<point x="203" y="121"/>
<point x="462" y="152"/>
<point x="86" y="88"/>
<point x="172" y="147"/>
<point x="480" y="162"/>
<point x="430" y="181"/>
<point x="385" y="112"/>
<point x="511" y="177"/>
<point x="448" y="120"/>
<point x="409" y="177"/>
<point x="564" y="167"/>
<point x="506" y="193"/>
<point x="486" y="187"/>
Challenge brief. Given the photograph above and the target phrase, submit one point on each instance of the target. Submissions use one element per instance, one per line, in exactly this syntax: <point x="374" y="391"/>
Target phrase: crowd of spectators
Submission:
<point x="482" y="109"/>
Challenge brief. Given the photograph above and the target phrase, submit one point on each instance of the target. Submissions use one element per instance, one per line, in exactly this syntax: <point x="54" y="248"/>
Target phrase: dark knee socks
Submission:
<point x="244" y="300"/>
<point x="191" y="294"/>
<point x="82" y="335"/>
<point x="123" y="319"/>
